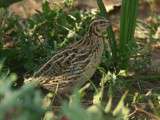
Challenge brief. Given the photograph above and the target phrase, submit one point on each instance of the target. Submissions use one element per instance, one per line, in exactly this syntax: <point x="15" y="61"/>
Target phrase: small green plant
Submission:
<point x="22" y="104"/>
<point x="100" y="110"/>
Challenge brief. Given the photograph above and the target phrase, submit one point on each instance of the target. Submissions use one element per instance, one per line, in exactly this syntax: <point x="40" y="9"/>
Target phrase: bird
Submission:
<point x="76" y="63"/>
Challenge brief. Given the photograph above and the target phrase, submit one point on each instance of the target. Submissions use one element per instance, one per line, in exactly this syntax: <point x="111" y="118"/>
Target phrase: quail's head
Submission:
<point x="99" y="26"/>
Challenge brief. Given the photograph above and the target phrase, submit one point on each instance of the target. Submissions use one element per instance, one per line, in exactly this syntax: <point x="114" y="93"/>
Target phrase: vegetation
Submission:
<point x="27" y="44"/>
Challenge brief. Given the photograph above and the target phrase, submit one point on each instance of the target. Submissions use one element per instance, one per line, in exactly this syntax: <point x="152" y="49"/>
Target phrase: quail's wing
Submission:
<point x="67" y="67"/>
<point x="56" y="65"/>
<point x="64" y="68"/>
<point x="74" y="57"/>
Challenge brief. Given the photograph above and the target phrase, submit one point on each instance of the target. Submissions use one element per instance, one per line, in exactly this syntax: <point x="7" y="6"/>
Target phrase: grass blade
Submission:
<point x="127" y="29"/>
<point x="110" y="32"/>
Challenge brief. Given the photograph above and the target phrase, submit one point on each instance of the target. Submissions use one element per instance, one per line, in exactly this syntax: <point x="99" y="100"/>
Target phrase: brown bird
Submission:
<point x="75" y="64"/>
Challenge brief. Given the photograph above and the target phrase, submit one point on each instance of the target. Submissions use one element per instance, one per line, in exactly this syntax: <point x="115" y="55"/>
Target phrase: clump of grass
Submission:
<point x="127" y="29"/>
<point x="122" y="52"/>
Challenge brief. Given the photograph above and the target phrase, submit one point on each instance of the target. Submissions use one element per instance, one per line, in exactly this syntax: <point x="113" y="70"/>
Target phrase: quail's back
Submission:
<point x="75" y="64"/>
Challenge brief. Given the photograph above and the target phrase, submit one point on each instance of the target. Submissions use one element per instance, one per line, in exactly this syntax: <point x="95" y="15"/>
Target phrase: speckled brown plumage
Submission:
<point x="75" y="64"/>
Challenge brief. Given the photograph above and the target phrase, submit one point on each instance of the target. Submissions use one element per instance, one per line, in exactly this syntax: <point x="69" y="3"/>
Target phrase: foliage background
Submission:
<point x="26" y="44"/>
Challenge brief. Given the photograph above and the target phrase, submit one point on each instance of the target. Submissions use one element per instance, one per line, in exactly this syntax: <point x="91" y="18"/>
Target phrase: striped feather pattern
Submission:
<point x="75" y="64"/>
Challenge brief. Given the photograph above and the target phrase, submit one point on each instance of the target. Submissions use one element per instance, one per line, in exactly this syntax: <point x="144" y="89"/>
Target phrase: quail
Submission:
<point x="76" y="63"/>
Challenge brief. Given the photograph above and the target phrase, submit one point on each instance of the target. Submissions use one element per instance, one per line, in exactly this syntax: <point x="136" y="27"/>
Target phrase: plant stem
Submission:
<point x="110" y="32"/>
